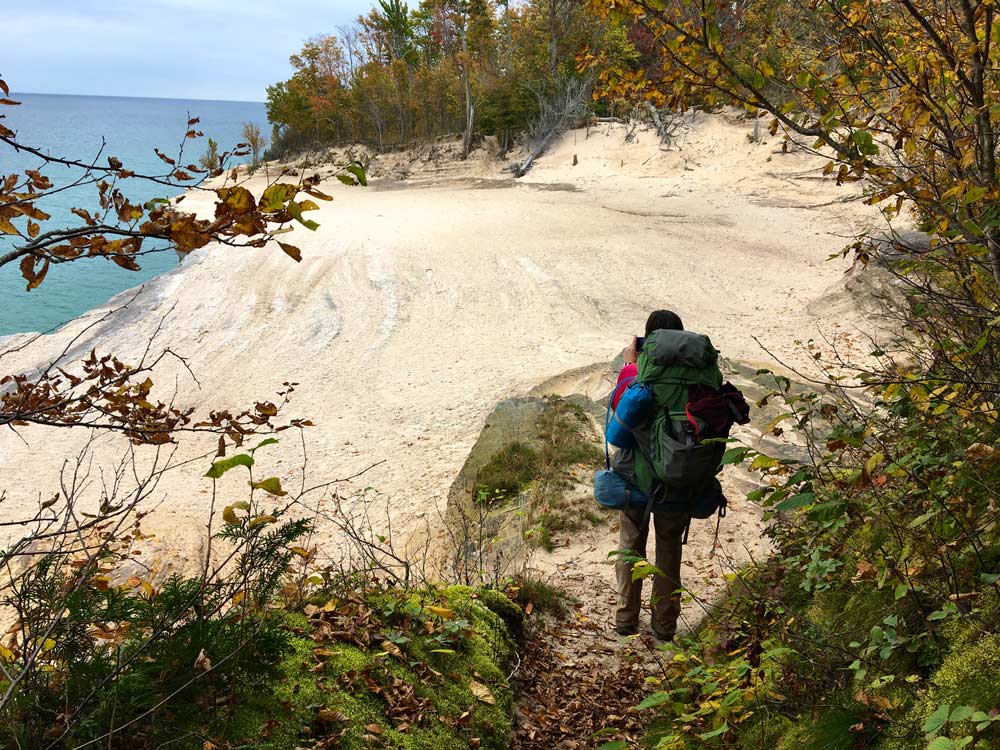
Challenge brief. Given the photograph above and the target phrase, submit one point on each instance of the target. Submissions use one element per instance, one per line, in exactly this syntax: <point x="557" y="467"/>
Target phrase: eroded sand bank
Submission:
<point x="415" y="310"/>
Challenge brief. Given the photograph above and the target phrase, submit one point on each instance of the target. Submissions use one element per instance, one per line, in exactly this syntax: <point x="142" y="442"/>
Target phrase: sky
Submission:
<point x="185" y="49"/>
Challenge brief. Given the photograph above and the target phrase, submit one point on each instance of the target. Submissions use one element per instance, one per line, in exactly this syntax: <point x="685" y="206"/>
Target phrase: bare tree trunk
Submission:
<point x="553" y="33"/>
<point x="657" y="122"/>
<point x="993" y="248"/>
<point x="470" y="110"/>
<point x="555" y="112"/>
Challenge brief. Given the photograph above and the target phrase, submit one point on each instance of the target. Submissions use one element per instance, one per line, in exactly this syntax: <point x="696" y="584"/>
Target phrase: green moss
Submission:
<point x="763" y="731"/>
<point x="830" y="731"/>
<point x="969" y="676"/>
<point x="282" y="710"/>
<point x="543" y="596"/>
<point x="851" y="614"/>
<point x="501" y="605"/>
<point x="283" y="698"/>
<point x="507" y="472"/>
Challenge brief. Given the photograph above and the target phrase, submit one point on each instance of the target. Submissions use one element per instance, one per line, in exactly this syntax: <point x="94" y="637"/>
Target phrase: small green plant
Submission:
<point x="211" y="159"/>
<point x="542" y="596"/>
<point x="507" y="472"/>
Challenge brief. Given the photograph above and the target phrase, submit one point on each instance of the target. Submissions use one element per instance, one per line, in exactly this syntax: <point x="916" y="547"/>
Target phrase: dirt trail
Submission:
<point x="579" y="681"/>
<point x="415" y="310"/>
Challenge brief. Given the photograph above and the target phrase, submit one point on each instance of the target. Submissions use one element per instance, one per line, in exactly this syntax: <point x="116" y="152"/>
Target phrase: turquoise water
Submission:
<point x="73" y="126"/>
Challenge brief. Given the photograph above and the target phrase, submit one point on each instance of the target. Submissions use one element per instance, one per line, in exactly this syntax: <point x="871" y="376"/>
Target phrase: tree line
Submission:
<point x="475" y="67"/>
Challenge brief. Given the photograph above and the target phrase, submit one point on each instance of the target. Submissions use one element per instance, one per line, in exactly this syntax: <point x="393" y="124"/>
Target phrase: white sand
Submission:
<point x="414" y="310"/>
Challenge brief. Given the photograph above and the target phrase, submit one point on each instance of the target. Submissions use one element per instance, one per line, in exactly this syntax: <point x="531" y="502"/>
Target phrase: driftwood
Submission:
<point x="556" y="111"/>
<point x="615" y="120"/>
<point x="657" y="121"/>
<point x="522" y="169"/>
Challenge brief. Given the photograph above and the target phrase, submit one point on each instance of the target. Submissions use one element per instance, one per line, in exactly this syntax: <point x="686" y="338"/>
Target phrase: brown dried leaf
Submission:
<point x="482" y="692"/>
<point x="291" y="251"/>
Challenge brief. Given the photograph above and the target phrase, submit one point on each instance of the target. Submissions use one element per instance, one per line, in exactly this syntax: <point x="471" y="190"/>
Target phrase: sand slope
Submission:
<point x="415" y="309"/>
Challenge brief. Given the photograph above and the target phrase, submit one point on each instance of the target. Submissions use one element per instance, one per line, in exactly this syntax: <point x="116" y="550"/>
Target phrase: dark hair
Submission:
<point x="664" y="319"/>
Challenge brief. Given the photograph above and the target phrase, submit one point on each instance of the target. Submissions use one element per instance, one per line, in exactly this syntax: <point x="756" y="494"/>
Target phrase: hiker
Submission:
<point x="679" y="365"/>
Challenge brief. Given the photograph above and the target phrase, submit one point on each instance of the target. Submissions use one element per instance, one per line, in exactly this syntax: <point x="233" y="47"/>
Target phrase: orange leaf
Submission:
<point x="40" y="276"/>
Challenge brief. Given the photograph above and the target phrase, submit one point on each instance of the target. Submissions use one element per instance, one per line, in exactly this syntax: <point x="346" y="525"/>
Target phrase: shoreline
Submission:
<point x="415" y="311"/>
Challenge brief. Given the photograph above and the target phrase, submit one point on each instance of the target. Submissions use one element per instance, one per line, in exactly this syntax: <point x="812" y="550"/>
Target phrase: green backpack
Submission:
<point x="671" y="362"/>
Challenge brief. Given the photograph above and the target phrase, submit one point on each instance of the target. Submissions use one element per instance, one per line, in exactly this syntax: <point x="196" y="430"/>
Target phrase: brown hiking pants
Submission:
<point x="666" y="600"/>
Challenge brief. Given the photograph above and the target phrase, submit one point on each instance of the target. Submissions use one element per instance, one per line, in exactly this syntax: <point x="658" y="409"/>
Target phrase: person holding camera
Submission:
<point x="668" y="527"/>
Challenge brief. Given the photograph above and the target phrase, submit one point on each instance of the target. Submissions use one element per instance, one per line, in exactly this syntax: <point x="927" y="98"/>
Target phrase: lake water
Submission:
<point x="73" y="127"/>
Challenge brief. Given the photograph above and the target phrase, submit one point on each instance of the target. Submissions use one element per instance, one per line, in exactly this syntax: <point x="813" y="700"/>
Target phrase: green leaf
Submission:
<point x="796" y="501"/>
<point x="989" y="578"/>
<point x="359" y="174"/>
<point x="223" y="465"/>
<point x="644" y="569"/>
<point x="734" y="456"/>
<point x="961" y="713"/>
<point x="653" y="700"/>
<point x="942" y="743"/>
<point x="865" y="143"/>
<point x="715" y="732"/>
<point x="937" y="719"/>
<point x="901" y="591"/>
<point x="275" y="197"/>
<point x="271" y="485"/>
<point x="616" y="745"/>
<point x="922" y="519"/>
<point x="973" y="195"/>
<point x="347" y="179"/>
<point x="828" y="510"/>
<point x="263" y="443"/>
<point x="296" y="211"/>
<point x="764" y="462"/>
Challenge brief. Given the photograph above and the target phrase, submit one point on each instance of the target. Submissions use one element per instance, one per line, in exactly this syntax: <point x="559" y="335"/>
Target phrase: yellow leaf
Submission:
<point x="48" y="644"/>
<point x="260" y="520"/>
<point x="874" y="462"/>
<point x="442" y="612"/>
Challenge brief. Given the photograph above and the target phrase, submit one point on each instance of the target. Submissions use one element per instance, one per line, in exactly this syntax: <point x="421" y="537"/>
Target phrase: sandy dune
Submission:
<point x="415" y="309"/>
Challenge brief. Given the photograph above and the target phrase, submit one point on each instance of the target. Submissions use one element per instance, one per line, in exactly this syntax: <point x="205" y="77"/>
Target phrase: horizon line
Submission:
<point x="122" y="96"/>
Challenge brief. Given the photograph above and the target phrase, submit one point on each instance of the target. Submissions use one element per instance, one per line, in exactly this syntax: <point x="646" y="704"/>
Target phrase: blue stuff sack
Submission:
<point x="614" y="491"/>
<point x="634" y="410"/>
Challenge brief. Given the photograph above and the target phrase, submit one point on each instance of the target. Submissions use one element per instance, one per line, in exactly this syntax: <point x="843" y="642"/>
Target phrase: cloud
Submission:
<point x="224" y="49"/>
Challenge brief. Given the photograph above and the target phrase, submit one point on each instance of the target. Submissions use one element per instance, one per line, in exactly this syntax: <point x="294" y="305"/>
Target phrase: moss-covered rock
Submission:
<point x="501" y="605"/>
<point x="763" y="731"/>
<point x="437" y="690"/>
<point x="830" y="730"/>
<point x="969" y="676"/>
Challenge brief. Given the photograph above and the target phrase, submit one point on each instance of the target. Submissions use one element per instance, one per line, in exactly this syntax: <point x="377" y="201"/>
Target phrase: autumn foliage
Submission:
<point x="400" y="75"/>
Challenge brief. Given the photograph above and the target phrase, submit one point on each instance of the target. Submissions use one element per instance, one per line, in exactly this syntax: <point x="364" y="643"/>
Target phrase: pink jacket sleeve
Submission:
<point x="625" y="378"/>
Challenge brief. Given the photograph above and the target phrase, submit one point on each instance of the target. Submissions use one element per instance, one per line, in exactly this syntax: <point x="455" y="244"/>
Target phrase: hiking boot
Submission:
<point x="626" y="630"/>
<point x="663" y="637"/>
